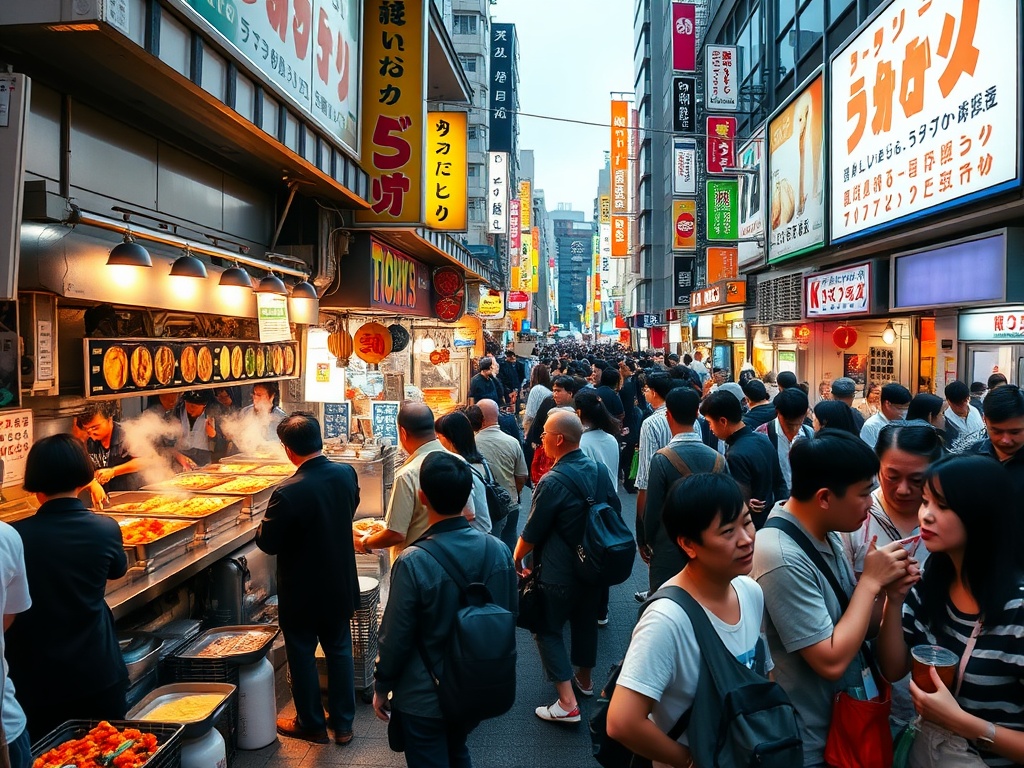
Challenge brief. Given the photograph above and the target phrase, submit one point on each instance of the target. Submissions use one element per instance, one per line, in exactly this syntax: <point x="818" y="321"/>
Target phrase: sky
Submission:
<point x="572" y="55"/>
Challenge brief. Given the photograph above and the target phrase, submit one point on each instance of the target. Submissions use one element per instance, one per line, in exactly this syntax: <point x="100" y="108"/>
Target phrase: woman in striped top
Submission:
<point x="971" y="602"/>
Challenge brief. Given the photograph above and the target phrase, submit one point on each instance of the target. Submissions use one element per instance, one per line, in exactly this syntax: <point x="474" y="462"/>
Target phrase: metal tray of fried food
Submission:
<point x="212" y="514"/>
<point x="273" y="455"/>
<point x="167" y="694"/>
<point x="218" y="485"/>
<point x="275" y="469"/>
<point x="159" y="550"/>
<point x="258" y="638"/>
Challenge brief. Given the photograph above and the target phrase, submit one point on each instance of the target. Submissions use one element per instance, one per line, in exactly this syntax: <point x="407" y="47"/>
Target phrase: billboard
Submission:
<point x="721" y="150"/>
<point x="502" y="95"/>
<point x="752" y="198"/>
<point x="684" y="225"/>
<point x="684" y="108"/>
<point x="723" y="209"/>
<point x="684" y="37"/>
<point x="684" y="166"/>
<point x="620" y="178"/>
<point x="497" y="193"/>
<point x="447" y="193"/>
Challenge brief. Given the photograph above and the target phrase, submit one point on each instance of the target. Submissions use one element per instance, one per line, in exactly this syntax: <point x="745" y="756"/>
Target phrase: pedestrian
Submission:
<point x="996" y="380"/>
<point x="1004" y="435"/>
<point x="456" y="434"/>
<point x="654" y="435"/>
<point x="760" y="409"/>
<point x="420" y="611"/>
<point x="834" y="414"/>
<point x="600" y="432"/>
<point x="684" y="455"/>
<point x="968" y="602"/>
<point x="843" y="390"/>
<point x="978" y="392"/>
<point x="308" y="526"/>
<point x="629" y="395"/>
<point x="893" y="404"/>
<point x="556" y="522"/>
<point x="507" y="461"/>
<point x="14" y="599"/>
<point x="788" y="425"/>
<point x="699" y="367"/>
<point x="485" y="383"/>
<point x="753" y="462"/>
<point x="815" y="643"/>
<point x="563" y="389"/>
<point x="608" y="388"/>
<point x="961" y="416"/>
<point x="707" y="520"/>
<point x="511" y="373"/>
<point x="870" y="404"/>
<point x="786" y="380"/>
<point x="540" y="388"/>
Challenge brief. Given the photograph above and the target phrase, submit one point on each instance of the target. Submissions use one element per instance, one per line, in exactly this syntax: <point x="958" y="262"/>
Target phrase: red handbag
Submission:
<point x="540" y="464"/>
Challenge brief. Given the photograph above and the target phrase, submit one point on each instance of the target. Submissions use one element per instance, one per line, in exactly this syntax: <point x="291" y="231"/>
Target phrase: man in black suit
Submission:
<point x="308" y="526"/>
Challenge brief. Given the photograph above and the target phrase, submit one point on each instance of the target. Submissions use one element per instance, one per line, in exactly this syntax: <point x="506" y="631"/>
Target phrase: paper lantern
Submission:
<point x="844" y="337"/>
<point x="399" y="337"/>
<point x="372" y="343"/>
<point x="339" y="344"/>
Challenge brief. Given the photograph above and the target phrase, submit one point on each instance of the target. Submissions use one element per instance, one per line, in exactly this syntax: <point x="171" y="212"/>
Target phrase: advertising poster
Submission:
<point x="684" y="166"/>
<point x="684" y="225"/>
<point x="684" y="37"/>
<point x="722" y="90"/>
<point x="721" y="144"/>
<point x="502" y="91"/>
<point x="923" y="116"/>
<point x="447" y="168"/>
<point x="752" y="199"/>
<point x="721" y="265"/>
<point x="796" y="174"/>
<point x="620" y="178"/>
<point x="723" y="209"/>
<point x="497" y="193"/>
<point x="684" y="115"/>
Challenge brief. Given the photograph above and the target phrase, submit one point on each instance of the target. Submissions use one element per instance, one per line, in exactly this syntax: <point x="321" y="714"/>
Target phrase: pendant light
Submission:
<point x="304" y="290"/>
<point x="889" y="333"/>
<point x="236" y="277"/>
<point x="129" y="253"/>
<point x="188" y="265"/>
<point x="272" y="284"/>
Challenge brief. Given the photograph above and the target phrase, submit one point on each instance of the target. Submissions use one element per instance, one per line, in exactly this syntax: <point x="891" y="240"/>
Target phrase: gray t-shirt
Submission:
<point x="800" y="610"/>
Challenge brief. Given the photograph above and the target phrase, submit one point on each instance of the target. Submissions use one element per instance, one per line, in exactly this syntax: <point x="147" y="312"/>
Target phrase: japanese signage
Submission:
<point x="517" y="300"/>
<point x="722" y="89"/>
<point x="502" y="86"/>
<point x="685" y="279"/>
<point x="398" y="282"/>
<point x="604" y="209"/>
<point x="992" y="326"/>
<point x="723" y="210"/>
<point x="924" y="112"/>
<point x="684" y="37"/>
<point x="272" y="317"/>
<point x="446" y="173"/>
<point x="751" y="155"/>
<point x="684" y="166"/>
<point x="525" y="203"/>
<point x="620" y="178"/>
<point x="604" y="251"/>
<point x="684" y="225"/>
<point x="839" y="292"/>
<point x="324" y="380"/>
<point x="514" y="229"/>
<point x="796" y="179"/>
<point x="393" y="113"/>
<point x="721" y="152"/>
<point x="684" y="115"/>
<point x="492" y="305"/>
<point x="309" y="51"/>
<point x="534" y="259"/>
<point x="721" y="265"/>
<point x="719" y="295"/>
<point x="15" y="442"/>
<point x="643" y="320"/>
<point x="497" y="193"/>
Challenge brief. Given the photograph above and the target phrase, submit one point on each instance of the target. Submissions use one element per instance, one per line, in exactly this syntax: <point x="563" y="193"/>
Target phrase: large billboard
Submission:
<point x="620" y="178"/>
<point x="447" y="194"/>
<point x="751" y="156"/>
<point x="924" y="112"/>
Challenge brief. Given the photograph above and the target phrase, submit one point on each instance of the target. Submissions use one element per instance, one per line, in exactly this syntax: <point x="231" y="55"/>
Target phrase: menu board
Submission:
<point x="117" y="367"/>
<point x="337" y="420"/>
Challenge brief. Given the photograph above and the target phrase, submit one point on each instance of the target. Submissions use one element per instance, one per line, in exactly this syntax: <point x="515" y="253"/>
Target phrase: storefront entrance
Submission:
<point x="985" y="359"/>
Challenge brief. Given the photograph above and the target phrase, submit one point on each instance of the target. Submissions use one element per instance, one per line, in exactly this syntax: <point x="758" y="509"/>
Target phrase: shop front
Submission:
<point x="647" y="331"/>
<point x="724" y="303"/>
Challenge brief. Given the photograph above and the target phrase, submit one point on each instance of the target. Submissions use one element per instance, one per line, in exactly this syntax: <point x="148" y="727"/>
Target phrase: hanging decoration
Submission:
<point x="339" y="344"/>
<point x="450" y="293"/>
<point x="844" y="336"/>
<point x="448" y="309"/>
<point x="372" y="343"/>
<point x="399" y="337"/>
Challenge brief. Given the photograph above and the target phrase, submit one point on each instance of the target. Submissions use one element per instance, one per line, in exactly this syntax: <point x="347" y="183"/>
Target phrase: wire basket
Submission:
<point x="168" y="739"/>
<point x="188" y="670"/>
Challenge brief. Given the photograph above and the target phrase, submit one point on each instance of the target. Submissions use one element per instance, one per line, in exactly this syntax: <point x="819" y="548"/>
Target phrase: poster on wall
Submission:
<point x="856" y="367"/>
<point x="752" y="199"/>
<point x="684" y="37"/>
<point x="796" y="184"/>
<point x="325" y="381"/>
<point x="384" y="419"/>
<point x="337" y="420"/>
<point x="721" y="90"/>
<point x="684" y="166"/>
<point x="923" y="117"/>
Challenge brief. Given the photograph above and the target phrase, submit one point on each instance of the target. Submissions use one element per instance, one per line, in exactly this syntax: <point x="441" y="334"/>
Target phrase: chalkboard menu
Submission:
<point x="337" y="420"/>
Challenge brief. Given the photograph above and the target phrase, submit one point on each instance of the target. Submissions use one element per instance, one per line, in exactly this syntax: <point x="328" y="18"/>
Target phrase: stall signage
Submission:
<point x="307" y="50"/>
<point x="721" y="265"/>
<point x="924" y="115"/>
<point x="337" y="420"/>
<point x="397" y="282"/>
<point x="491" y="306"/>
<point x="796" y="176"/>
<point x="719" y="295"/>
<point x="497" y="193"/>
<point x="324" y="379"/>
<point x="447" y="202"/>
<point x="15" y="442"/>
<point x="684" y="37"/>
<point x="684" y="166"/>
<point x="685" y="279"/>
<point x="752" y="199"/>
<point x="648" y="320"/>
<point x="502" y="82"/>
<point x="272" y="317"/>
<point x="721" y="148"/>
<point x="684" y="230"/>
<point x="992" y="326"/>
<point x="620" y="177"/>
<point x="722" y="88"/>
<point x="684" y="116"/>
<point x="839" y="292"/>
<point x="515" y="232"/>
<point x="518" y="299"/>
<point x="525" y="204"/>
<point x="723" y="209"/>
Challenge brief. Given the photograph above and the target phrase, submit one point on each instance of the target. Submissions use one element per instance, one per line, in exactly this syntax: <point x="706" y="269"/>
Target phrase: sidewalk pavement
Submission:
<point x="518" y="739"/>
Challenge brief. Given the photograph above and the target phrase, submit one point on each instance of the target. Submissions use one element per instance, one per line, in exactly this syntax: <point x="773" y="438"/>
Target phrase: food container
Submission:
<point x="164" y="548"/>
<point x="141" y="653"/>
<point x="206" y="646"/>
<point x="265" y="467"/>
<point x="220" y="485"/>
<point x="212" y="514"/>
<point x="168" y="739"/>
<point x="167" y="694"/>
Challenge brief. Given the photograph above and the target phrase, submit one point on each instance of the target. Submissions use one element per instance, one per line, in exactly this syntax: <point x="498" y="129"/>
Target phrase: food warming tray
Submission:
<point x="251" y="656"/>
<point x="265" y="467"/>
<point x="167" y="547"/>
<point x="220" y="485"/>
<point x="168" y="693"/>
<point x="212" y="514"/>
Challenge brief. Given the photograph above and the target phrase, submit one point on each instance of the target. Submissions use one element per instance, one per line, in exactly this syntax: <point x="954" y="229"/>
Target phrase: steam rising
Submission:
<point x="152" y="439"/>
<point x="253" y="433"/>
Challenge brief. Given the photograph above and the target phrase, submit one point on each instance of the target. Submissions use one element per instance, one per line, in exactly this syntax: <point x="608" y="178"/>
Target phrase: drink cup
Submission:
<point x="944" y="661"/>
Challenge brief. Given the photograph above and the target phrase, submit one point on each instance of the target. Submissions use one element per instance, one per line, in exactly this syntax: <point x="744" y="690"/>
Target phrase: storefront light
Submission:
<point x="188" y="265"/>
<point x="272" y="284"/>
<point x="128" y="253"/>
<point x="889" y="334"/>
<point x="236" y="277"/>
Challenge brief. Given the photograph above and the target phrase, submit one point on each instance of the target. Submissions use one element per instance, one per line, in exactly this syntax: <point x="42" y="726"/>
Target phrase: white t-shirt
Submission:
<point x="14" y="598"/>
<point x="663" y="658"/>
<point x="604" y="449"/>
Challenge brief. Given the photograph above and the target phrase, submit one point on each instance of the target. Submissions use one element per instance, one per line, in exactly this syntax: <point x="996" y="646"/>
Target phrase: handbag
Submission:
<point x="634" y="464"/>
<point x="540" y="464"/>
<point x="531" y="602"/>
<point x="858" y="734"/>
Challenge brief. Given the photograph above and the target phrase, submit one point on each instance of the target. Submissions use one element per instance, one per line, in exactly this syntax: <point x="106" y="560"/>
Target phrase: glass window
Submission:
<point x="464" y="24"/>
<point x="836" y="9"/>
<point x="471" y="132"/>
<point x="468" y="63"/>
<point x="743" y="51"/>
<point x="755" y="38"/>
<point x="787" y="46"/>
<point x="812" y="26"/>
<point x="786" y="10"/>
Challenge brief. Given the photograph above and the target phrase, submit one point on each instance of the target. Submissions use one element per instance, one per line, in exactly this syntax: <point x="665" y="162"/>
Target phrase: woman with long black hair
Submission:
<point x="456" y="434"/>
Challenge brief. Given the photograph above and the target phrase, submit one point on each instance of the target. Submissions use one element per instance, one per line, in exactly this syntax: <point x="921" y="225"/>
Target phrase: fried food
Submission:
<point x="204" y="364"/>
<point x="115" y="367"/>
<point x="188" y="364"/>
<point x="229" y="645"/>
<point x="369" y="526"/>
<point x="250" y="362"/>
<point x="147" y="530"/>
<point x="88" y="751"/>
<point x="187" y="709"/>
<point x="245" y="485"/>
<point x="245" y="468"/>
<point x="142" y="366"/>
<point x="236" y="362"/>
<point x="225" y="362"/>
<point x="191" y="482"/>
<point x="261" y="363"/>
<point x="289" y="360"/>
<point x="163" y="364"/>
<point x="177" y="506"/>
<point x="277" y="360"/>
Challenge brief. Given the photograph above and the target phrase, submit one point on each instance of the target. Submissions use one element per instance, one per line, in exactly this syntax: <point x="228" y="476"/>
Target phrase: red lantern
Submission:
<point x="372" y="343"/>
<point x="844" y="337"/>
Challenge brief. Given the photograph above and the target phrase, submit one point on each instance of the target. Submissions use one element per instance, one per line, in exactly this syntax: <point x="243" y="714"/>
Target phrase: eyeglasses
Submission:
<point x="553" y="434"/>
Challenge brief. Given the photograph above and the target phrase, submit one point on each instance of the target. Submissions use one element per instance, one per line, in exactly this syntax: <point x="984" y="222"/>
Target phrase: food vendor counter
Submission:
<point x="375" y="469"/>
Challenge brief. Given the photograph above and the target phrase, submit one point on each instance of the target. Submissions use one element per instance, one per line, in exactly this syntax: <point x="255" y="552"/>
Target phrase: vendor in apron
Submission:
<point x="116" y="468"/>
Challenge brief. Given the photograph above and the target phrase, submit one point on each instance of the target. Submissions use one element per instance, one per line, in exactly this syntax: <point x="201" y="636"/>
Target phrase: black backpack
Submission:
<point x="607" y="550"/>
<point x="479" y="677"/>
<point x="499" y="500"/>
<point x="739" y="718"/>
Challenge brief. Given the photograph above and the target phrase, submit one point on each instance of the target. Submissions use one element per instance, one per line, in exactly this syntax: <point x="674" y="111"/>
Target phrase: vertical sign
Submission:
<point x="514" y="225"/>
<point x="394" y="53"/>
<point x="525" y="204"/>
<point x="722" y="91"/>
<point x="684" y="37"/>
<point x="722" y="265"/>
<point x="684" y="114"/>
<point x="723" y="209"/>
<point x="721" y="152"/>
<point x="446" y="172"/>
<point x="604" y="246"/>
<point x="684" y="279"/>
<point x="620" y="178"/>
<point x="525" y="262"/>
<point x="502" y="86"/>
<point x="497" y="193"/>
<point x="604" y="209"/>
<point x="797" y="184"/>
<point x="534" y="258"/>
<point x="684" y="225"/>
<point x="752" y="198"/>
<point x="684" y="166"/>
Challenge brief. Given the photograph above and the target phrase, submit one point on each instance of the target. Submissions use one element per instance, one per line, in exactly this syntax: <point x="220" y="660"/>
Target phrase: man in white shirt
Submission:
<point x="654" y="435"/>
<point x="894" y="404"/>
<point x="787" y="427"/>
<point x="507" y="461"/>
<point x="961" y="415"/>
<point x="14" y="599"/>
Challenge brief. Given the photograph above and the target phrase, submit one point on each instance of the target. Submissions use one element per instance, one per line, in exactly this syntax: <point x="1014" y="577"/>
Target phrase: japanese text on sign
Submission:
<point x="684" y="114"/>
<point x="497" y="193"/>
<point x="684" y="166"/>
<point x="502" y="87"/>
<point x="723" y="209"/>
<point x="842" y="292"/>
<point x="721" y="150"/>
<point x="722" y="90"/>
<point x="924" y="111"/>
<point x="15" y="442"/>
<point x="447" y="194"/>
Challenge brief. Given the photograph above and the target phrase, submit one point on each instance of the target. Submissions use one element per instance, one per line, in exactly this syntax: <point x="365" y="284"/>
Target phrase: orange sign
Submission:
<point x="684" y="225"/>
<point x="620" y="178"/>
<point x="446" y="173"/>
<point x="722" y="264"/>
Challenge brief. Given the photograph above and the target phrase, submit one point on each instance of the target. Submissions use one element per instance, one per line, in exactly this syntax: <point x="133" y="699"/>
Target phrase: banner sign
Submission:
<point x="534" y="259"/>
<point x="525" y="204"/>
<point x="684" y="166"/>
<point x="514" y="229"/>
<point x="684" y="227"/>
<point x="730" y="292"/>
<point x="797" y="188"/>
<point x="721" y="265"/>
<point x="722" y="89"/>
<point x="394" y="52"/>
<point x="497" y="193"/>
<point x="447" y="164"/>
<point x="721" y="152"/>
<point x="604" y="215"/>
<point x="685" y="279"/>
<point x="752" y="199"/>
<point x="839" y="292"/>
<point x="723" y="209"/>
<point x="684" y="37"/>
<point x="924" y="116"/>
<point x="502" y="84"/>
<point x="620" y="178"/>
<point x="684" y="115"/>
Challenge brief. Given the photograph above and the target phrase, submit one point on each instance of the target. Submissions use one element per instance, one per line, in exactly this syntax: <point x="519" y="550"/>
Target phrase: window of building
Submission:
<point x="471" y="132"/>
<point x="464" y="24"/>
<point x="811" y="23"/>
<point x="837" y="8"/>
<point x="468" y="62"/>
<point x="475" y="169"/>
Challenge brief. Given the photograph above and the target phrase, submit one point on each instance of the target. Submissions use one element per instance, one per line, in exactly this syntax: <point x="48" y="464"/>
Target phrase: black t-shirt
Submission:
<point x="114" y="456"/>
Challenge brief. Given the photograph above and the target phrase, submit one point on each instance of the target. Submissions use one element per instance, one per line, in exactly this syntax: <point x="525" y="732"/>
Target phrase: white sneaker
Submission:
<point x="556" y="714"/>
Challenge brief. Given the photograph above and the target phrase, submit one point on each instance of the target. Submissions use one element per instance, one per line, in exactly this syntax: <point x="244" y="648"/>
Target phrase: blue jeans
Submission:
<point x="432" y="743"/>
<point x="20" y="751"/>
<point x="335" y="636"/>
<point x="509" y="532"/>
<point x="577" y="605"/>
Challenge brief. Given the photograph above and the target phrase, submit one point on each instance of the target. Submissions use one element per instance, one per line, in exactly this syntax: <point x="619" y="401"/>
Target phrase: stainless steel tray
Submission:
<point x="167" y="547"/>
<point x="246" y="657"/>
<point x="208" y="523"/>
<point x="274" y="469"/>
<point x="270" y="457"/>
<point x="167" y="693"/>
<point x="218" y="485"/>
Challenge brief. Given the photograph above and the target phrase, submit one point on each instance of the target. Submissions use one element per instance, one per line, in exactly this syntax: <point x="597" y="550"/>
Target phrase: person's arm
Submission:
<point x="397" y="519"/>
<point x="655" y="498"/>
<point x="891" y="649"/>
<point x="106" y="474"/>
<point x="99" y="496"/>
<point x="277" y="525"/>
<point x="629" y="724"/>
<point x="521" y="483"/>
<point x="396" y="642"/>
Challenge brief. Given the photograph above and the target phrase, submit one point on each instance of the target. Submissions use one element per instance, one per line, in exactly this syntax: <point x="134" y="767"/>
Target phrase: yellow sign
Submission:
<point x="491" y="306"/>
<point x="535" y="260"/>
<point x="447" y="172"/>
<point x="605" y="210"/>
<point x="525" y="204"/>
<point x="525" y="266"/>
<point x="393" y="99"/>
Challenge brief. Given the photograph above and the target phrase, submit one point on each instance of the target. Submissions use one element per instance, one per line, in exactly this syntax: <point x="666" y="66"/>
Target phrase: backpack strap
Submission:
<point x="680" y="726"/>
<point x="801" y="540"/>
<point x="677" y="461"/>
<point x="719" y="463"/>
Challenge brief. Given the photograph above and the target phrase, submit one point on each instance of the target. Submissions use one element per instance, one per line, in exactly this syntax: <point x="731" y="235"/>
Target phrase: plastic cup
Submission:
<point x="944" y="661"/>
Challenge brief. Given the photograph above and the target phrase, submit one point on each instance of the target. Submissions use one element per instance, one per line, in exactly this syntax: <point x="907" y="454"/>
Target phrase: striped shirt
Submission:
<point x="654" y="435"/>
<point x="993" y="684"/>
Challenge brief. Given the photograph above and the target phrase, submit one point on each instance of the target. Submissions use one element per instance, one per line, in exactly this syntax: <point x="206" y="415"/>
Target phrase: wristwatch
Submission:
<point x="988" y="739"/>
